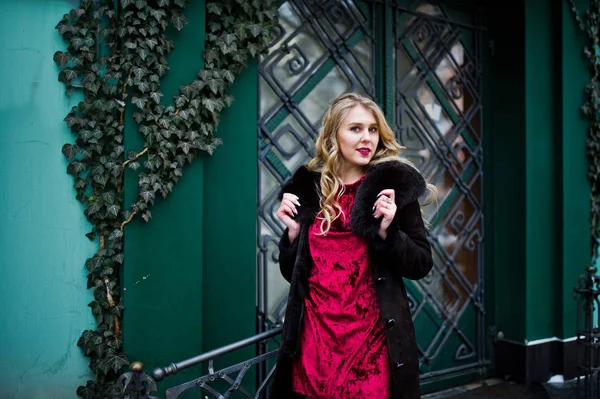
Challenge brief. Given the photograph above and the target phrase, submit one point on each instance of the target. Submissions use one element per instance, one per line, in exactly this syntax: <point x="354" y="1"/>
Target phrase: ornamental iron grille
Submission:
<point x="424" y="62"/>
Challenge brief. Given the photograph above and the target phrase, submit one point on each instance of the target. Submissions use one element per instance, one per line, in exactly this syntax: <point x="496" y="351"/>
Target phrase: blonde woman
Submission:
<point x="354" y="231"/>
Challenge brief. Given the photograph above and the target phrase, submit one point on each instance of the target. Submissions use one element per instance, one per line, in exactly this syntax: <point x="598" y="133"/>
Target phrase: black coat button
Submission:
<point x="380" y="280"/>
<point x="399" y="365"/>
<point x="390" y="322"/>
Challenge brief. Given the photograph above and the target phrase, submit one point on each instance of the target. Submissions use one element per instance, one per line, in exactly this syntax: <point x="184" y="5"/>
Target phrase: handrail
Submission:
<point x="160" y="373"/>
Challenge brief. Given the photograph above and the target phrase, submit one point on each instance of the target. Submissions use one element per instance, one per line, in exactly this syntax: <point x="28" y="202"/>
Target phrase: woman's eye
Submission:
<point x="355" y="129"/>
<point x="373" y="129"/>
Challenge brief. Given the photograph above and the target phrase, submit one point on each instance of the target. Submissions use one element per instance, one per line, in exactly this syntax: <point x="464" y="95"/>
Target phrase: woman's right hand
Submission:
<point x="287" y="210"/>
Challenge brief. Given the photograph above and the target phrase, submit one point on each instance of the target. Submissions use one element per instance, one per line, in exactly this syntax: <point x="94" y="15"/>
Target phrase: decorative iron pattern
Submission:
<point x="438" y="118"/>
<point x="587" y="292"/>
<point x="224" y="383"/>
<point x="324" y="48"/>
<point x="320" y="50"/>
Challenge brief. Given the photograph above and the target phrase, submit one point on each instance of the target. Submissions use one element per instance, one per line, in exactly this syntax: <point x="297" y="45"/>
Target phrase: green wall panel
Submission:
<point x="229" y="300"/>
<point x="42" y="227"/>
<point x="506" y="121"/>
<point x="543" y="267"/>
<point x="575" y="198"/>
<point x="163" y="277"/>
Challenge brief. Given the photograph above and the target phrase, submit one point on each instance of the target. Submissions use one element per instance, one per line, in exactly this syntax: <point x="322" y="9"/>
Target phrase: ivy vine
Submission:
<point x="589" y="24"/>
<point x="116" y="57"/>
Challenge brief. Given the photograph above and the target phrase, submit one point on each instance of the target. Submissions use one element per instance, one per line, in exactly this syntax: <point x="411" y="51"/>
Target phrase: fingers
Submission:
<point x="292" y="198"/>
<point x="390" y="193"/>
<point x="288" y="210"/>
<point x="385" y="205"/>
<point x="387" y="210"/>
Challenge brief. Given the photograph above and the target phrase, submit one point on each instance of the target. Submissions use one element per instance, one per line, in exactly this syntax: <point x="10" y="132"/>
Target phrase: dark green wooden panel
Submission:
<point x="229" y="267"/>
<point x="163" y="258"/>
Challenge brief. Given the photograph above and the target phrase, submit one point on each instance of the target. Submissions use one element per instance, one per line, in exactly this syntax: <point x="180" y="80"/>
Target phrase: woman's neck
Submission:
<point x="352" y="174"/>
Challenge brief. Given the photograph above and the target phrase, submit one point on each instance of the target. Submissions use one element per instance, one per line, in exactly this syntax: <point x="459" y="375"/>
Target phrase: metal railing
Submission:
<point x="588" y="335"/>
<point x="136" y="384"/>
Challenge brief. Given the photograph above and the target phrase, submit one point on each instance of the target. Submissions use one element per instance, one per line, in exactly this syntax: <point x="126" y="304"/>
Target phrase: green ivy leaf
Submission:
<point x="119" y="258"/>
<point x="185" y="147"/>
<point x="215" y="85"/>
<point x="228" y="21"/>
<point x="163" y="3"/>
<point x="94" y="208"/>
<point x="228" y="75"/>
<point x="70" y="150"/>
<point x="214" y="26"/>
<point x="156" y="96"/>
<point x="140" y="4"/>
<point x="180" y="101"/>
<point x="117" y="310"/>
<point x="209" y="104"/>
<point x="214" y="8"/>
<point x="147" y="196"/>
<point x="89" y="391"/>
<point x="255" y="29"/>
<point x="140" y="102"/>
<point x="61" y="58"/>
<point x="211" y="55"/>
<point x="114" y="363"/>
<point x="178" y="20"/>
<point x="143" y="53"/>
<point x="229" y="38"/>
<point x="161" y="69"/>
<point x="109" y="197"/>
<point x="126" y="3"/>
<point x="253" y="48"/>
<point x="240" y="31"/>
<point x="147" y="216"/>
<point x="180" y="3"/>
<point x="143" y="86"/>
<point x="158" y="14"/>
<point x="151" y="43"/>
<point x="96" y="308"/>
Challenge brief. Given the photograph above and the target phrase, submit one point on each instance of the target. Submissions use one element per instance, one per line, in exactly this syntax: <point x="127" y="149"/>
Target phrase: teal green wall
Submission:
<point x="505" y="139"/>
<point x="542" y="173"/>
<point x="540" y="193"/>
<point x="198" y="253"/>
<point x="163" y="273"/>
<point x="229" y="311"/>
<point x="42" y="227"/>
<point x="574" y="214"/>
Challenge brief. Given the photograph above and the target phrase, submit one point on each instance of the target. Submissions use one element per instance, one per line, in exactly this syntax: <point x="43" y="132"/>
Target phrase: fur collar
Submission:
<point x="406" y="181"/>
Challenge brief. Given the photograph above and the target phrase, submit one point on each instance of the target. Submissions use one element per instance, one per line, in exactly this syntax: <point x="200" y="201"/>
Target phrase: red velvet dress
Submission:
<point x="343" y="351"/>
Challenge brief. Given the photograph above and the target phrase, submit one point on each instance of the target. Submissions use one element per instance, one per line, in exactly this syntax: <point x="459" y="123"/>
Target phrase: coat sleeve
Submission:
<point x="406" y="250"/>
<point x="287" y="255"/>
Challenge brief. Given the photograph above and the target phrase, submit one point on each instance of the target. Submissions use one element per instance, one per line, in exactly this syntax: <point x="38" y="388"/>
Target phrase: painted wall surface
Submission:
<point x="574" y="217"/>
<point x="42" y="227"/>
<point x="540" y="193"/>
<point x="162" y="277"/>
<point x="542" y="172"/>
<point x="506" y="163"/>
<point x="190" y="272"/>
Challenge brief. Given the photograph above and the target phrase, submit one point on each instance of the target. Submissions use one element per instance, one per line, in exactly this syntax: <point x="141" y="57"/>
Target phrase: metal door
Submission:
<point x="422" y="63"/>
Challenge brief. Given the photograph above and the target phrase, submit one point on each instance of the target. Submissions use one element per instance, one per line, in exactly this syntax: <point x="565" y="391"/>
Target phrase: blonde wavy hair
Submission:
<point x="328" y="160"/>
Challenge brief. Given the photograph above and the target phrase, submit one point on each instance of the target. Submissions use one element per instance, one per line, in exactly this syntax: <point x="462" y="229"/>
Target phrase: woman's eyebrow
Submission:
<point x="361" y="123"/>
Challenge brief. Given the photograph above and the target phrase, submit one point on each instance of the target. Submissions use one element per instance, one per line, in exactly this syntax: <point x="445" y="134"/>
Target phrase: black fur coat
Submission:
<point x="405" y="253"/>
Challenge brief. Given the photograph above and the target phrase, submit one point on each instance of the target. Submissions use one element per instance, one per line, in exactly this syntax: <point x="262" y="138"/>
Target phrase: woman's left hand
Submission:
<point x="385" y="206"/>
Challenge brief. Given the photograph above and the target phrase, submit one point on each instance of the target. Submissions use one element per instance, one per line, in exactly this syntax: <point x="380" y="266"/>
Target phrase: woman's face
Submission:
<point x="358" y="137"/>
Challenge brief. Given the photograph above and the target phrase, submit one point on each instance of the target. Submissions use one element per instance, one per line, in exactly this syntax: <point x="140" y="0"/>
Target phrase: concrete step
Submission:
<point x="498" y="388"/>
